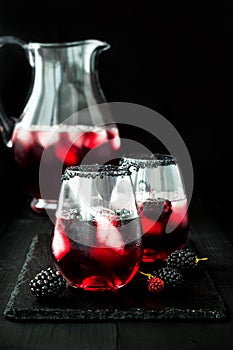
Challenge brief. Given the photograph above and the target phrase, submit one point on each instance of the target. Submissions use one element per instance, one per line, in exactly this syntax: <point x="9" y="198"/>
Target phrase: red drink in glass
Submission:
<point x="102" y="254"/>
<point x="162" y="203"/>
<point x="165" y="227"/>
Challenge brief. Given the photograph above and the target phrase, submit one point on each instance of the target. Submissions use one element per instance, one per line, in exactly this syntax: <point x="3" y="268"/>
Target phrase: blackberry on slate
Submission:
<point x="171" y="277"/>
<point x="47" y="283"/>
<point x="184" y="259"/>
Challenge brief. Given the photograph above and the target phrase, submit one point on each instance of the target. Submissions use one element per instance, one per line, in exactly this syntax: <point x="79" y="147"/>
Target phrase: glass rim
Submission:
<point x="36" y="45"/>
<point x="93" y="171"/>
<point x="149" y="160"/>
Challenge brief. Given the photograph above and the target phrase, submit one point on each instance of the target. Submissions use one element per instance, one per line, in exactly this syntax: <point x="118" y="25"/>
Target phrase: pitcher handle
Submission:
<point x="7" y="123"/>
<point x="12" y="40"/>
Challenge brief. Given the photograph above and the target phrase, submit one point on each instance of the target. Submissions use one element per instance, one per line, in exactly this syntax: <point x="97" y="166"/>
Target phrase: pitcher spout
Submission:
<point x="93" y="47"/>
<point x="102" y="45"/>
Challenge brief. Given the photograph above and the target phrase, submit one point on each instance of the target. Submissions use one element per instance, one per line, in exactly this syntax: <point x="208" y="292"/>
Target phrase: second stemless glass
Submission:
<point x="162" y="203"/>
<point x="97" y="240"/>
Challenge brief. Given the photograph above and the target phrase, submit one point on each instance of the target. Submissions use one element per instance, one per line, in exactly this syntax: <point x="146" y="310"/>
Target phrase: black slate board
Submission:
<point x="196" y="299"/>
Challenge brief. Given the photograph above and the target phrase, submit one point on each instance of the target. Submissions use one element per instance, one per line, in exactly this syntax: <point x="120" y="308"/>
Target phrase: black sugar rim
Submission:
<point x="93" y="171"/>
<point x="152" y="160"/>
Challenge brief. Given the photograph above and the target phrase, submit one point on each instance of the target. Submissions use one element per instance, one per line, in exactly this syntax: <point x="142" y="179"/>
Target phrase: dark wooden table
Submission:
<point x="213" y="236"/>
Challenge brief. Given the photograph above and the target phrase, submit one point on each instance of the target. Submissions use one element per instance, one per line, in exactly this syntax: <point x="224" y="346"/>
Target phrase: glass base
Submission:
<point x="97" y="284"/>
<point x="40" y="206"/>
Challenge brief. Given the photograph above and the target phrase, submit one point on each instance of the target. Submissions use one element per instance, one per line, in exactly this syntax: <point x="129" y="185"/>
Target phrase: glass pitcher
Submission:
<point x="51" y="125"/>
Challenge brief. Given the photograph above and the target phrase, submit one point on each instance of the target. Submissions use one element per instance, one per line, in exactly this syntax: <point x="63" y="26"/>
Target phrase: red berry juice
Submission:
<point x="165" y="227"/>
<point x="97" y="255"/>
<point x="65" y="146"/>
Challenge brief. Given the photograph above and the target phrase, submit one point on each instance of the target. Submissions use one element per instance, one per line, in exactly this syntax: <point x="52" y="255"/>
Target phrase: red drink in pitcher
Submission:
<point x="165" y="227"/>
<point x="97" y="254"/>
<point x="60" y="147"/>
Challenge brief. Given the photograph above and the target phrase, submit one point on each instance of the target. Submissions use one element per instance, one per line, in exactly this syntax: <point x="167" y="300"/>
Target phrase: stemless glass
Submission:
<point x="97" y="239"/>
<point x="162" y="204"/>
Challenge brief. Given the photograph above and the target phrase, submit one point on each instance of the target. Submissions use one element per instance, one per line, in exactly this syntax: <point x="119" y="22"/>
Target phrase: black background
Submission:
<point x="174" y="57"/>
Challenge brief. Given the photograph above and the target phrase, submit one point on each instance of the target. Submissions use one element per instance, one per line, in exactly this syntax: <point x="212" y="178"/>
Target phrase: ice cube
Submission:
<point x="60" y="244"/>
<point x="93" y="139"/>
<point x="121" y="197"/>
<point x="76" y="137"/>
<point x="47" y="138"/>
<point x="24" y="137"/>
<point x="113" y="136"/>
<point x="23" y="145"/>
<point x="107" y="234"/>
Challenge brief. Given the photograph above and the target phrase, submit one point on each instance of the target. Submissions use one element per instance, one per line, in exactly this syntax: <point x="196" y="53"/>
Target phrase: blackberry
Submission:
<point x="155" y="284"/>
<point x="47" y="283"/>
<point x="184" y="259"/>
<point x="171" y="277"/>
